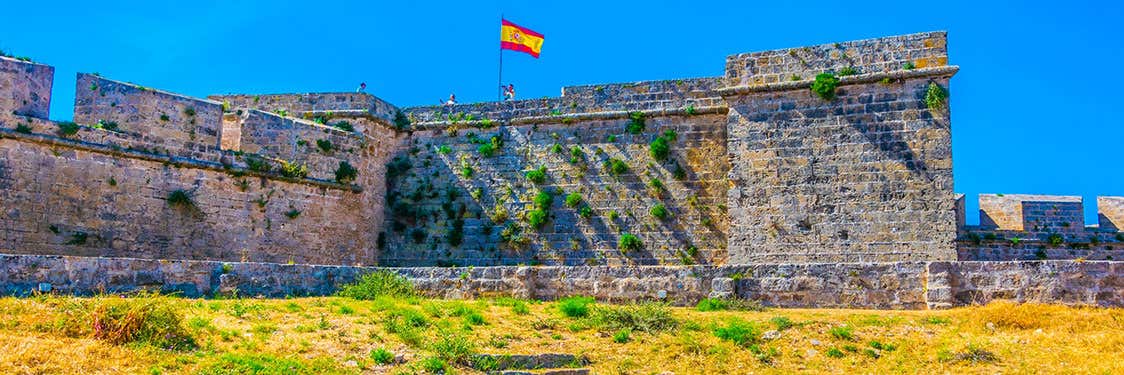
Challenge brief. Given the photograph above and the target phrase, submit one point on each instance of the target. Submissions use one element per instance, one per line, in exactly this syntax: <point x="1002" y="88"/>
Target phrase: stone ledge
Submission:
<point x="606" y="115"/>
<point x="943" y="71"/>
<point x="175" y="160"/>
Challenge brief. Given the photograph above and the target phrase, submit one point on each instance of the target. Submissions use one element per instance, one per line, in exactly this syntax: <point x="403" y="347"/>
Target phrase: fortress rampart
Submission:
<point x="838" y="200"/>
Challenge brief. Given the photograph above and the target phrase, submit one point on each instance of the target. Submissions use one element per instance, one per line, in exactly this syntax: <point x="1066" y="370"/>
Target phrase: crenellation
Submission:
<point x="1110" y="211"/>
<point x="25" y="87"/>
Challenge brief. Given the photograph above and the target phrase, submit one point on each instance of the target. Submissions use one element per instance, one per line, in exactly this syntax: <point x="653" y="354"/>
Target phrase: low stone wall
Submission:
<point x="297" y="104"/>
<point x="898" y="285"/>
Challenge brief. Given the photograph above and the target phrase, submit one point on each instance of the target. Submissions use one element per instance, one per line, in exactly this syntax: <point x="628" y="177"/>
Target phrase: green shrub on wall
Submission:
<point x="487" y="150"/>
<point x="67" y="128"/>
<point x="573" y="200"/>
<point x="324" y="145"/>
<point x="659" y="211"/>
<point x="536" y="218"/>
<point x="346" y="173"/>
<point x="293" y="170"/>
<point x="616" y="167"/>
<point x="537" y="176"/>
<point x="635" y="123"/>
<point x="824" y="86"/>
<point x="935" y="96"/>
<point x="401" y="121"/>
<point x="629" y="242"/>
<point x="180" y="198"/>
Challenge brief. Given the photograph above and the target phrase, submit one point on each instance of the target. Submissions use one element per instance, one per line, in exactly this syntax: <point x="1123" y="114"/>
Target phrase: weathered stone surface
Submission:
<point x="864" y="177"/>
<point x="895" y="285"/>
<point x="25" y="88"/>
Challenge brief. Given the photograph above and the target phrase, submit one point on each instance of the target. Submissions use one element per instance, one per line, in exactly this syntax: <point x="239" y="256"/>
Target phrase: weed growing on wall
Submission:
<point x="346" y="173"/>
<point x="180" y="198"/>
<point x="293" y="170"/>
<point x="67" y="128"/>
<point x="848" y="71"/>
<point x="23" y="128"/>
<point x="573" y="200"/>
<point x="935" y="96"/>
<point x="635" y="123"/>
<point x="344" y="125"/>
<point x="616" y="167"/>
<point x="629" y="242"/>
<point x="824" y="86"/>
<point x="325" y="146"/>
<point x="659" y="211"/>
<point x="537" y="176"/>
<point x="401" y="122"/>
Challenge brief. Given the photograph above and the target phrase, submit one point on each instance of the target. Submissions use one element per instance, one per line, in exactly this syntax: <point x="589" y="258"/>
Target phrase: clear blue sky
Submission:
<point x="1036" y="105"/>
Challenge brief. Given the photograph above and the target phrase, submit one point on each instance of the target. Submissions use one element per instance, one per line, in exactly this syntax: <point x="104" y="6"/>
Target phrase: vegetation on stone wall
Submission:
<point x="346" y="173"/>
<point x="824" y="86"/>
<point x="629" y="242"/>
<point x="635" y="123"/>
<point x="67" y="128"/>
<point x="935" y="96"/>
<point x="180" y="198"/>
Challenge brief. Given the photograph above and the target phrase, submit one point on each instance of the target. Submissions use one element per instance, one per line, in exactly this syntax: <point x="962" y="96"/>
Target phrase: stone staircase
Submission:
<point x="533" y="364"/>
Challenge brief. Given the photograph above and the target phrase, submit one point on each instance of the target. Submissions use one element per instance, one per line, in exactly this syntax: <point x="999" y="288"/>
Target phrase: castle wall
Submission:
<point x="492" y="202"/>
<point x="179" y="124"/>
<point x="72" y="202"/>
<point x="864" y="177"/>
<point x="25" y="88"/>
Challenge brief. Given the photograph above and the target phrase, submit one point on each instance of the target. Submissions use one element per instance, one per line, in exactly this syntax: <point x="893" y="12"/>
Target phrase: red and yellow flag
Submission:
<point x="518" y="38"/>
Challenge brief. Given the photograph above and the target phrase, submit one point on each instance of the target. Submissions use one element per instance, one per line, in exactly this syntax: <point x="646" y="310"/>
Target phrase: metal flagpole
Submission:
<point x="500" y="84"/>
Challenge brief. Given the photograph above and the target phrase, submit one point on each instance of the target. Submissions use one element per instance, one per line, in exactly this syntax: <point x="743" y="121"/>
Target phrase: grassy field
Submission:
<point x="403" y="334"/>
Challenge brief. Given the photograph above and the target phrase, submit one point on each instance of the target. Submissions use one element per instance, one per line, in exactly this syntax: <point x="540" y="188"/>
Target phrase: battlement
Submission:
<point x="25" y="88"/>
<point x="885" y="54"/>
<point x="310" y="105"/>
<point x="1022" y="226"/>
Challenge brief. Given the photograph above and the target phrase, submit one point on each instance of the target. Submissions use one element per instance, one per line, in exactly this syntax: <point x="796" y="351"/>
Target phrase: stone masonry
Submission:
<point x="746" y="184"/>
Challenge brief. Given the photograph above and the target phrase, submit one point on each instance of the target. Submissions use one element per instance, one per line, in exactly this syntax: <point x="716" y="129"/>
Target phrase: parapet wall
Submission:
<point x="884" y="54"/>
<point x="314" y="104"/>
<point x="1026" y="227"/>
<point x="25" y="88"/>
<point x="667" y="95"/>
<point x="179" y="124"/>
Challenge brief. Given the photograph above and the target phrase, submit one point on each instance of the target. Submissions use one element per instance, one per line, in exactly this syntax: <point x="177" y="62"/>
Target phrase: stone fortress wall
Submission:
<point x="766" y="190"/>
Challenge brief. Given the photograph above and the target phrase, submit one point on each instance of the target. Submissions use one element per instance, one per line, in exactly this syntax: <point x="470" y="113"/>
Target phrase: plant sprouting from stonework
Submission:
<point x="824" y="86"/>
<point x="293" y="170"/>
<point x="180" y="198"/>
<point x="635" y="123"/>
<point x="573" y="200"/>
<point x="848" y="71"/>
<point x="346" y="173"/>
<point x="935" y="96"/>
<point x="401" y="121"/>
<point x="325" y="145"/>
<point x="629" y="242"/>
<point x="659" y="211"/>
<point x="293" y="213"/>
<point x="67" y="128"/>
<point x="616" y="167"/>
<point x="537" y="176"/>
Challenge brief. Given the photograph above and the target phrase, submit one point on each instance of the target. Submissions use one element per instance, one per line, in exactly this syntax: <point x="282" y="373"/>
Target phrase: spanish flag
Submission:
<point x="518" y="38"/>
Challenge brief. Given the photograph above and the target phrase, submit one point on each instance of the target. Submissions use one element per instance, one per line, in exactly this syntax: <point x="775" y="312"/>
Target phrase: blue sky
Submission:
<point x="1035" y="106"/>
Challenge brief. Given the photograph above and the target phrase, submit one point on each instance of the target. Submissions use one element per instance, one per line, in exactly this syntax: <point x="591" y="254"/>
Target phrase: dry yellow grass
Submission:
<point x="316" y="335"/>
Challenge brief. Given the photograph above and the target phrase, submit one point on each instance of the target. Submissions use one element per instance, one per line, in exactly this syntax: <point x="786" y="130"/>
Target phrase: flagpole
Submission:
<point x="500" y="84"/>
